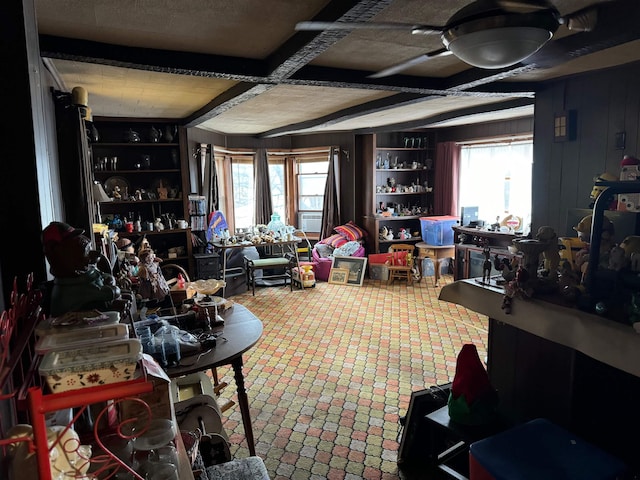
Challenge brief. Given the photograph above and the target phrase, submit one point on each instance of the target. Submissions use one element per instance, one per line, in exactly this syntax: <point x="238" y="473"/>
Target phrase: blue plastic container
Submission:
<point x="540" y="450"/>
<point x="437" y="230"/>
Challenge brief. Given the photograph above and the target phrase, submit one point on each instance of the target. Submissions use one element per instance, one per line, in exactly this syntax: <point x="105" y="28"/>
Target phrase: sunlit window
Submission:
<point x="278" y="187"/>
<point x="496" y="178"/>
<point x="312" y="178"/>
<point x="243" y="192"/>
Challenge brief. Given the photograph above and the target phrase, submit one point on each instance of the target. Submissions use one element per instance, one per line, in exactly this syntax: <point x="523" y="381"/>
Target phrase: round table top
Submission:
<point x="241" y="331"/>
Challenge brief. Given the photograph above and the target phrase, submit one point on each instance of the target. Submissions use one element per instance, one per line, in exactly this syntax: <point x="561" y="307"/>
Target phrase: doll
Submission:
<point x="153" y="285"/>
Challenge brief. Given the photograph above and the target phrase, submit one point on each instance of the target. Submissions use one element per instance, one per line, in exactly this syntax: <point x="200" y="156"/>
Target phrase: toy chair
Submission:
<point x="402" y="266"/>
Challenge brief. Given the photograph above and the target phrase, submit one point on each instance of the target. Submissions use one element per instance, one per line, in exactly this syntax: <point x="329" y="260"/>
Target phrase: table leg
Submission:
<point x="224" y="270"/>
<point x="243" y="402"/>
<point x="437" y="270"/>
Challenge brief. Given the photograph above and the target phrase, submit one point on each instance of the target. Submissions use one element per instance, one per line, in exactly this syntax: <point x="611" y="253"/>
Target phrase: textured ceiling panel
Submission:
<point x="417" y="111"/>
<point x="120" y="92"/>
<point x="246" y="70"/>
<point x="242" y="28"/>
<point x="284" y="105"/>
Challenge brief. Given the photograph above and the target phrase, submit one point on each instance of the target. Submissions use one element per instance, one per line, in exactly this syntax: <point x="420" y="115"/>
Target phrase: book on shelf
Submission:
<point x="197" y="205"/>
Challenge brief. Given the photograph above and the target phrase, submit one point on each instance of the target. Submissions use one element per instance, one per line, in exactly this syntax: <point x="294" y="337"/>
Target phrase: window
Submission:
<point x="497" y="179"/>
<point x="312" y="178"/>
<point x="297" y="180"/>
<point x="242" y="180"/>
<point x="278" y="185"/>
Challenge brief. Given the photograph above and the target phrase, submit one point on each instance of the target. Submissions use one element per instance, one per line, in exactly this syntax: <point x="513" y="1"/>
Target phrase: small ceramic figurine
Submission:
<point x="486" y="265"/>
<point x="389" y="234"/>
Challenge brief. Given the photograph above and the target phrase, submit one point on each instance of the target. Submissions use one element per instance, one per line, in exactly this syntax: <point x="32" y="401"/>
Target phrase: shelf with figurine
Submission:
<point x="140" y="176"/>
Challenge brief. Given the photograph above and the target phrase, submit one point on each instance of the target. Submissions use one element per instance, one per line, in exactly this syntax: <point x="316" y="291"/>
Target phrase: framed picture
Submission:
<point x="338" y="275"/>
<point x="355" y="265"/>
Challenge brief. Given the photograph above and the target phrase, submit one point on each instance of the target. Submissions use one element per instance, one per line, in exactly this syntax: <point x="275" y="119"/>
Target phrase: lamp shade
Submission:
<point x="499" y="41"/>
<point x="99" y="195"/>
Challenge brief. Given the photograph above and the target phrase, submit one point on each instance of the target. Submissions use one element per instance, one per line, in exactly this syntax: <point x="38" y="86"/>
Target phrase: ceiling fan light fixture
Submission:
<point x="500" y="47"/>
<point x="502" y="40"/>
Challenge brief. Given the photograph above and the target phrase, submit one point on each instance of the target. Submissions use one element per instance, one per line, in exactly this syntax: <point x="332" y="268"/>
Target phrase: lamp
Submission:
<point x="497" y="41"/>
<point x="99" y="195"/>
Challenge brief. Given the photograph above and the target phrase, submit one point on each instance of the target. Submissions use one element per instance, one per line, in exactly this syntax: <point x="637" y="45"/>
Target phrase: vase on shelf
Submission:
<point x="169" y="133"/>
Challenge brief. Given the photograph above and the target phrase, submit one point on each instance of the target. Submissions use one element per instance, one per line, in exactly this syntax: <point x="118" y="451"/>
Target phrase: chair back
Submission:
<point x="402" y="247"/>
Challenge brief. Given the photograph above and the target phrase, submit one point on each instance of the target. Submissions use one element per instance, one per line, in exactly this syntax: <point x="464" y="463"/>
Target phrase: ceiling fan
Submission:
<point x="487" y="34"/>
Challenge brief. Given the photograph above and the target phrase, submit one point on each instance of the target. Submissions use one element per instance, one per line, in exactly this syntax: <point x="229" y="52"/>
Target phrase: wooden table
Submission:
<point x="241" y="331"/>
<point x="437" y="253"/>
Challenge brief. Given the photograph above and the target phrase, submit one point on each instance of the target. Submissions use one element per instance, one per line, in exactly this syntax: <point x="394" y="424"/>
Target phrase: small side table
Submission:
<point x="437" y="253"/>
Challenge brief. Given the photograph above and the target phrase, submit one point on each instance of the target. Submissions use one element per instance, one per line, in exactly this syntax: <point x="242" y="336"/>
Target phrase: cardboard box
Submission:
<point x="159" y="400"/>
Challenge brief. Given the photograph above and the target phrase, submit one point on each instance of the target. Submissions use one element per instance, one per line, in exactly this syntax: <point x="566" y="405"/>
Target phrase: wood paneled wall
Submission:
<point x="605" y="103"/>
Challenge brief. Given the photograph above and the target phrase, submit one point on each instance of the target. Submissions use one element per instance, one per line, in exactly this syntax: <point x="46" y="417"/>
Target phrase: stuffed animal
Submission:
<point x="403" y="234"/>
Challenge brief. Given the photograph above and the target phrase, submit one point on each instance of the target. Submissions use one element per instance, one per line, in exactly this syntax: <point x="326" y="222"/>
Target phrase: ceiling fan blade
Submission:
<point x="583" y="20"/>
<point x="524" y="5"/>
<point x="414" y="28"/>
<point x="409" y="63"/>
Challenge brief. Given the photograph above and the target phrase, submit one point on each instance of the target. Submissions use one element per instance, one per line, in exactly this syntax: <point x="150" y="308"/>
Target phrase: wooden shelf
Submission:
<point x="134" y="144"/>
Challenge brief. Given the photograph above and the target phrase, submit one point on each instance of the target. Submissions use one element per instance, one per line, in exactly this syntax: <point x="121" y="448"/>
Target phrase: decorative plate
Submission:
<point x="111" y="183"/>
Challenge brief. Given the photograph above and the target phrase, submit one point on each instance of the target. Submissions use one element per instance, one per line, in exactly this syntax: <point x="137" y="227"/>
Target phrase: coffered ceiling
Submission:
<point x="241" y="67"/>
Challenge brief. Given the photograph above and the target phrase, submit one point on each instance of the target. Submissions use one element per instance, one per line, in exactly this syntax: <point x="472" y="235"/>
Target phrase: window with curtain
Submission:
<point x="297" y="182"/>
<point x="496" y="178"/>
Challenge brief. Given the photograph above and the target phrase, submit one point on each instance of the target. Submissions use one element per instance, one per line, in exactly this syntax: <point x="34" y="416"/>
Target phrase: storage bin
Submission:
<point x="539" y="450"/>
<point x="90" y="366"/>
<point x="75" y="320"/>
<point x="82" y="337"/>
<point x="438" y="230"/>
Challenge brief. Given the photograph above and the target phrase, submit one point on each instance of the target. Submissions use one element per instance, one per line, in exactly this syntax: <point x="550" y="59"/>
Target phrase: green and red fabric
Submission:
<point x="473" y="399"/>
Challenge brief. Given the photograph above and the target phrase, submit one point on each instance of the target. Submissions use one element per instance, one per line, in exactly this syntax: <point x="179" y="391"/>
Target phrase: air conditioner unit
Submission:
<point x="310" y="221"/>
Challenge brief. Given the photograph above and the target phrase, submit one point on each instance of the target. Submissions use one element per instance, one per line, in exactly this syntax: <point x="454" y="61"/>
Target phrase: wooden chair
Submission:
<point x="403" y="272"/>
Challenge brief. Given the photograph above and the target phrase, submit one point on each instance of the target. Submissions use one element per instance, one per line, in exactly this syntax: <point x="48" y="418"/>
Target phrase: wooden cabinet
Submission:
<point x="470" y="258"/>
<point x="398" y="190"/>
<point x="141" y="165"/>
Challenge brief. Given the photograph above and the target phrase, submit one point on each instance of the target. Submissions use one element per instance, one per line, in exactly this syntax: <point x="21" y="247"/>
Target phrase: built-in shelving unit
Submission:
<point x="141" y="166"/>
<point x="399" y="170"/>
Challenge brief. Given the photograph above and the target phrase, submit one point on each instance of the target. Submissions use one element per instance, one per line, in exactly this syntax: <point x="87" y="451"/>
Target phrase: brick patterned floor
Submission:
<point x="335" y="369"/>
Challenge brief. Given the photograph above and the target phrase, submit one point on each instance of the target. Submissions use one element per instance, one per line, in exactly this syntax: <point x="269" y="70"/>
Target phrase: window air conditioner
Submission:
<point x="310" y="221"/>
